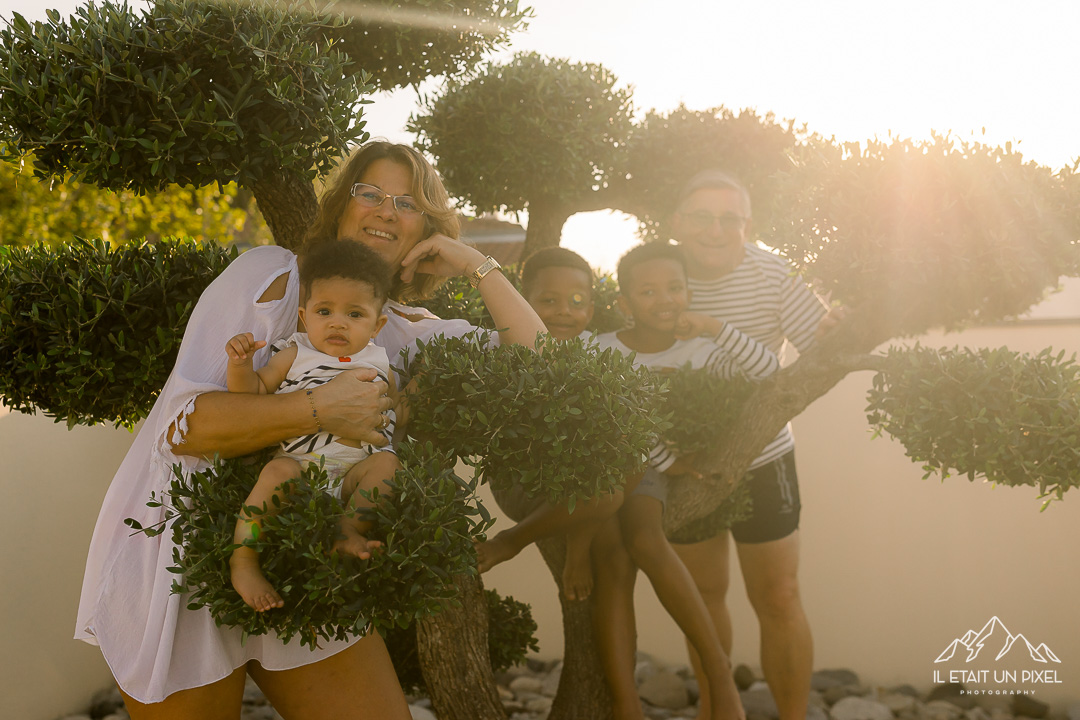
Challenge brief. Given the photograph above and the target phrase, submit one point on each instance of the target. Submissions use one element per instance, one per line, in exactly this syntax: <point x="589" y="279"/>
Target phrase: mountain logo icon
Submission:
<point x="995" y="638"/>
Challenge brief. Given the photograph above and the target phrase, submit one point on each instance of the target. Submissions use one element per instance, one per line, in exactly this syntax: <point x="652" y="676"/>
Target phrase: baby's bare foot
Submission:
<point x="577" y="576"/>
<point x="351" y="542"/>
<point x="248" y="580"/>
<point x="497" y="550"/>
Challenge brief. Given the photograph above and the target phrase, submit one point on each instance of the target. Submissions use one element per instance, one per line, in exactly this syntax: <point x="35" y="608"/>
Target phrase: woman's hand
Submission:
<point x="352" y="406"/>
<point x="441" y="256"/>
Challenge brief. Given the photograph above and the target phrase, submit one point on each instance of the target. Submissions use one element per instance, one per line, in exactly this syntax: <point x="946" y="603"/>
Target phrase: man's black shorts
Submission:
<point x="774" y="488"/>
<point x="774" y="492"/>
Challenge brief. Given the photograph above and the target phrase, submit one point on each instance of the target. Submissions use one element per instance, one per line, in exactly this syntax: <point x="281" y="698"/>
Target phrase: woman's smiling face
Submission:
<point x="383" y="229"/>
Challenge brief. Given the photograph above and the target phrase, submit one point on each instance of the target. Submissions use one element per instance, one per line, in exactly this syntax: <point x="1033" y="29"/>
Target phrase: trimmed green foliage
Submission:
<point x="917" y="235"/>
<point x="533" y="130"/>
<point x="402" y="43"/>
<point x="89" y="334"/>
<point x="666" y="149"/>
<point x="566" y="424"/>
<point x="703" y="408"/>
<point x="1009" y="417"/>
<point x="511" y="634"/>
<point x="427" y="524"/>
<point x="186" y="92"/>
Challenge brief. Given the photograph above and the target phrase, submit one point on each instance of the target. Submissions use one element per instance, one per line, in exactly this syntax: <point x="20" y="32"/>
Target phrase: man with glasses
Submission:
<point x="758" y="292"/>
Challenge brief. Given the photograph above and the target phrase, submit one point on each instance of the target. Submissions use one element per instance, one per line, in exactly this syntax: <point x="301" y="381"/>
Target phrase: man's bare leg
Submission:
<point x="708" y="562"/>
<point x="770" y="570"/>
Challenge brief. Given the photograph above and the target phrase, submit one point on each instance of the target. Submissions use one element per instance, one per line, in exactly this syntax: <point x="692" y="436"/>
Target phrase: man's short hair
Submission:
<point x="349" y="259"/>
<point x="646" y="252"/>
<point x="547" y="258"/>
<point x="713" y="180"/>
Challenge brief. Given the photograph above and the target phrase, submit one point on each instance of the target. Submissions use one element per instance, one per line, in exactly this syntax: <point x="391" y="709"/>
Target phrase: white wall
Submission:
<point x="893" y="569"/>
<point x="52" y="482"/>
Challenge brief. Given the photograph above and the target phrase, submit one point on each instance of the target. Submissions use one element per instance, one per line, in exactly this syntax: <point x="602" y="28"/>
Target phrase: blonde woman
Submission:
<point x="173" y="663"/>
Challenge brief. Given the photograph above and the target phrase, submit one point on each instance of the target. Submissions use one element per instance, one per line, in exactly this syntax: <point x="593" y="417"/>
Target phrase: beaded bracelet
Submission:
<point x="314" y="412"/>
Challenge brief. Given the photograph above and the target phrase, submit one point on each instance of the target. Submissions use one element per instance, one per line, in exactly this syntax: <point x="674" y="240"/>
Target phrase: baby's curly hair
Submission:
<point x="332" y="258"/>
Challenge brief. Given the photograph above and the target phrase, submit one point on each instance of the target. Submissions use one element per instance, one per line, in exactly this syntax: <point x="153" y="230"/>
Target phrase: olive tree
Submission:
<point x="536" y="134"/>
<point x="189" y="92"/>
<point x="908" y="236"/>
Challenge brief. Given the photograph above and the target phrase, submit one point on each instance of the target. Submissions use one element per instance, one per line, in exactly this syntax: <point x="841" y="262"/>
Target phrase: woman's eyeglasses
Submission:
<point x="372" y="197"/>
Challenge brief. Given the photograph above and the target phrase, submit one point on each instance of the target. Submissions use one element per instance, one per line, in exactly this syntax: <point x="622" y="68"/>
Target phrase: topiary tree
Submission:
<point x="550" y="135"/>
<point x="665" y="149"/>
<point x="188" y="92"/>
<point x="908" y="236"/>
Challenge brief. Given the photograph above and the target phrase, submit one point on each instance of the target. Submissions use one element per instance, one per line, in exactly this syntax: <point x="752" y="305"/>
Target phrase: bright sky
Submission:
<point x="855" y="70"/>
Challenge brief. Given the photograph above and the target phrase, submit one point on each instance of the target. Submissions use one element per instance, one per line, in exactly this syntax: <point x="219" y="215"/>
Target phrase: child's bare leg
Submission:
<point x="246" y="575"/>
<point x="577" y="576"/>
<point x="546" y="521"/>
<point x="613" y="619"/>
<point x="372" y="472"/>
<point x="642" y="523"/>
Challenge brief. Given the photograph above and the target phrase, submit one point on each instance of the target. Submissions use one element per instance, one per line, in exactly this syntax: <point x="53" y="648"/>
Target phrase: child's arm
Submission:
<point x="240" y="375"/>
<point x="736" y="353"/>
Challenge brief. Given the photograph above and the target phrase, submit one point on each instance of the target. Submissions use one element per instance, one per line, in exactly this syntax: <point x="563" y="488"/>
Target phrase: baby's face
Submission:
<point x="562" y="297"/>
<point x="341" y="316"/>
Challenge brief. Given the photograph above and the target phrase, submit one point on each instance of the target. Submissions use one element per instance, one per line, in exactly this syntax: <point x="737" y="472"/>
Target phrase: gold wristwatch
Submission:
<point x="485" y="267"/>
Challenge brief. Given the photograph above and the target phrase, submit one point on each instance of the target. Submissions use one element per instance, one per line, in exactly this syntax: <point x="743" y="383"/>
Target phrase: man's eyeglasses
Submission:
<point x="372" y="197"/>
<point x="700" y="221"/>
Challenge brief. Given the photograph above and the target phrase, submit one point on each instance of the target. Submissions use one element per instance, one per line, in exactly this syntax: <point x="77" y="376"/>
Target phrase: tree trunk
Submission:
<point x="288" y="204"/>
<point x="582" y="693"/>
<point x="775" y="402"/>
<point x="453" y="652"/>
<point x="546" y="220"/>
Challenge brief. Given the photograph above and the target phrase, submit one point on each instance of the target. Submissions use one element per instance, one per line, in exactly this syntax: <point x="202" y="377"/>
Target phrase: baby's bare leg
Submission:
<point x="372" y="472"/>
<point x="247" y="577"/>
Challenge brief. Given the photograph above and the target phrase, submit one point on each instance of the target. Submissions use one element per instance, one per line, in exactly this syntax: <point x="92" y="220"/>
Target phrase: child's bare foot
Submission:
<point x="351" y="542"/>
<point x="577" y="575"/>
<point x="494" y="551"/>
<point x="248" y="580"/>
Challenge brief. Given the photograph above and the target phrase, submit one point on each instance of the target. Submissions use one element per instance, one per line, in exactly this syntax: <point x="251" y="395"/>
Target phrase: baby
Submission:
<point x="343" y="288"/>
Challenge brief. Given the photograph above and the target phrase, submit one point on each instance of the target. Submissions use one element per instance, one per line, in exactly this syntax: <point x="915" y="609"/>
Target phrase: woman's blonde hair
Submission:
<point x="427" y="190"/>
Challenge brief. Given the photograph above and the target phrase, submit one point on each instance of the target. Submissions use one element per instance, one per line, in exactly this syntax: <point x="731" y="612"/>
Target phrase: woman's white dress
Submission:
<point x="153" y="644"/>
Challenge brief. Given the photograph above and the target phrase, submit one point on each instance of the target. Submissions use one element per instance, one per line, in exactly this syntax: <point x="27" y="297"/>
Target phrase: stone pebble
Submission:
<point x="669" y="693"/>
